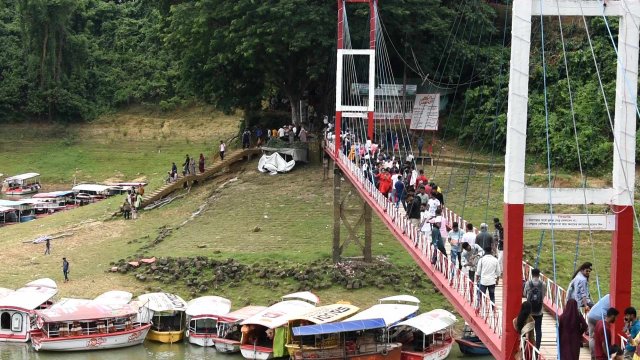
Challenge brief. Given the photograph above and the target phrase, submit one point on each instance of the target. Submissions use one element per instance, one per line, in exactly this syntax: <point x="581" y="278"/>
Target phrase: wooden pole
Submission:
<point x="366" y="252"/>
<point x="336" y="214"/>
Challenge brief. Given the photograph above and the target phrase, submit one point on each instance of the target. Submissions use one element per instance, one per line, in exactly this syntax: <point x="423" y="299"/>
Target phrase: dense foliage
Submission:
<point x="70" y="60"/>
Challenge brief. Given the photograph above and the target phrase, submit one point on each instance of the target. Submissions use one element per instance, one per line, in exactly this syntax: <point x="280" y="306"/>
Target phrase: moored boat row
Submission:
<point x="294" y="327"/>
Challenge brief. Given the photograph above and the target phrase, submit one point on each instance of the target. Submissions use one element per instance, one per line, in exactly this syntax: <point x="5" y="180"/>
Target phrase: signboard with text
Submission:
<point x="426" y="109"/>
<point x="596" y="222"/>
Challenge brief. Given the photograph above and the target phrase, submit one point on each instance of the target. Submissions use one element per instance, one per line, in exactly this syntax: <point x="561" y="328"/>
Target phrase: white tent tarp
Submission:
<point x="274" y="164"/>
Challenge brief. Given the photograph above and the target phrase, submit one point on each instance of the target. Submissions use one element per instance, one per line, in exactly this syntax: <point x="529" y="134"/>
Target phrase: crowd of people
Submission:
<point x="597" y="324"/>
<point x="132" y="203"/>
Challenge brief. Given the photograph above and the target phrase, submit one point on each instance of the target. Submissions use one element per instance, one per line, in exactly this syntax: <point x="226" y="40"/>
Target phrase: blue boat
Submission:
<point x="470" y="343"/>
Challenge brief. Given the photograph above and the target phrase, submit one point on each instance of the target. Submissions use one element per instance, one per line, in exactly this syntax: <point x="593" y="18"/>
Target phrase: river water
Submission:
<point x="147" y="351"/>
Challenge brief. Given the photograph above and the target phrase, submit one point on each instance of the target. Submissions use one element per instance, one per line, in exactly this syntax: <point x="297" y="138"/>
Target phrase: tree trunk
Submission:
<point x="294" y="102"/>
<point x="44" y="54"/>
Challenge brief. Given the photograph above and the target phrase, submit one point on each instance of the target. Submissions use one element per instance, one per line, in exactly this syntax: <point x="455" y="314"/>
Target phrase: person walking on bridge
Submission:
<point x="535" y="291"/>
<point x="455" y="240"/>
<point x="487" y="274"/>
<point x="579" y="287"/>
<point x="483" y="238"/>
<point x="571" y="326"/>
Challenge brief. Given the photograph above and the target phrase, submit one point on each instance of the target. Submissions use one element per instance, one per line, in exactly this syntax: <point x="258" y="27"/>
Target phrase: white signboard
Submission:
<point x="426" y="109"/>
<point x="570" y="222"/>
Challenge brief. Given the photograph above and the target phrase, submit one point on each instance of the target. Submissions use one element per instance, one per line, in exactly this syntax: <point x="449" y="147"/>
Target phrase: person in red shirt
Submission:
<point x="602" y="334"/>
<point x="421" y="179"/>
<point x="385" y="182"/>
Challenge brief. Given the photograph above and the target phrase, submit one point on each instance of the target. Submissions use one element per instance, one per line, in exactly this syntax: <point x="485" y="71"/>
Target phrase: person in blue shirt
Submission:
<point x="597" y="312"/>
<point x="400" y="193"/>
<point x="632" y="326"/>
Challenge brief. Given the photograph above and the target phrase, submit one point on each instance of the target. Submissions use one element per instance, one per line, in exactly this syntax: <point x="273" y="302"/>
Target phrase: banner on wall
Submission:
<point x="426" y="109"/>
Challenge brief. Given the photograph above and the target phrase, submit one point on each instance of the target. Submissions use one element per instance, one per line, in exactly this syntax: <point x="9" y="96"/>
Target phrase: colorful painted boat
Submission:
<point x="88" y="325"/>
<point x="17" y="307"/>
<point x="358" y="338"/>
<point x="228" y="328"/>
<point x="22" y="184"/>
<point x="320" y="315"/>
<point x="168" y="314"/>
<point x="202" y="319"/>
<point x="427" y="336"/>
<point x="264" y="334"/>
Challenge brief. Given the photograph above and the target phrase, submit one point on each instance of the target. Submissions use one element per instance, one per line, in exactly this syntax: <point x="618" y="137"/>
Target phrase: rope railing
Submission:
<point x="458" y="281"/>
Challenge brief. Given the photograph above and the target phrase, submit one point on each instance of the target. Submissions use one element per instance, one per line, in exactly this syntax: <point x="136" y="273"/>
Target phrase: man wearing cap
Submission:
<point x="484" y="239"/>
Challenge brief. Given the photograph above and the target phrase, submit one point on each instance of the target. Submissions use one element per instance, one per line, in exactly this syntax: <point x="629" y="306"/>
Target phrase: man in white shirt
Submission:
<point x="281" y="132"/>
<point x="469" y="236"/>
<point x="488" y="273"/>
<point x="433" y="204"/>
<point x="414" y="176"/>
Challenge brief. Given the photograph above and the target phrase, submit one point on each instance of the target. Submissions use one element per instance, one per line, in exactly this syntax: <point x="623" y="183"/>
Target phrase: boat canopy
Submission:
<point x="30" y="296"/>
<point x="91" y="187"/>
<point x="5" y="292"/>
<point x="89" y="311"/>
<point x="22" y="177"/>
<point x="159" y="302"/>
<point x="339" y="327"/>
<point x="279" y="314"/>
<point x="431" y="322"/>
<point x="304" y="296"/>
<point x="208" y="305"/>
<point x="329" y="313"/>
<point x="17" y="205"/>
<point x="390" y="312"/>
<point x="241" y="314"/>
<point x="114" y="297"/>
<point x="4" y="209"/>
<point x="53" y="194"/>
<point x="400" y="298"/>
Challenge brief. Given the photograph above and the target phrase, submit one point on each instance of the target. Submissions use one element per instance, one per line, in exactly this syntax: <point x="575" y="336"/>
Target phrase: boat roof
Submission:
<point x="399" y="299"/>
<point x="5" y="291"/>
<point x="4" y="209"/>
<point x="133" y="183"/>
<point x="304" y="296"/>
<point x="431" y="322"/>
<point x="339" y="327"/>
<point x="279" y="314"/>
<point x="242" y="314"/>
<point x="31" y="295"/>
<point x="208" y="305"/>
<point x="329" y="313"/>
<point x="10" y="203"/>
<point x="91" y="187"/>
<point x="391" y="313"/>
<point x="53" y="194"/>
<point x="90" y="310"/>
<point x="162" y="302"/>
<point x="114" y="297"/>
<point x="22" y="176"/>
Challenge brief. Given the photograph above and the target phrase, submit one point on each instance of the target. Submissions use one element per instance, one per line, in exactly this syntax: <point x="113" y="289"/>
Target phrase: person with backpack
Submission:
<point x="535" y="291"/>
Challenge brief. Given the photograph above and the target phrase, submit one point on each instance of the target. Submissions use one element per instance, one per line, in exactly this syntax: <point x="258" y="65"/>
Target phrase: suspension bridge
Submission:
<point x="358" y="120"/>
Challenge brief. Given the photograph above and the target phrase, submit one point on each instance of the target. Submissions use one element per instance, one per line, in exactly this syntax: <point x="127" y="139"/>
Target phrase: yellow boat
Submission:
<point x="168" y="313"/>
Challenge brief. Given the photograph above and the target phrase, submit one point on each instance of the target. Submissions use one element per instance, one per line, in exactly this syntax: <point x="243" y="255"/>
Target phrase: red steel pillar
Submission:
<point x="512" y="276"/>
<point x="340" y="45"/>
<point x="621" y="264"/>
<point x="373" y="7"/>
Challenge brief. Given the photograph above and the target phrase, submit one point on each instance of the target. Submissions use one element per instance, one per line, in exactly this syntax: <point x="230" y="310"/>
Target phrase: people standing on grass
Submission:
<point x="126" y="210"/>
<point x="246" y="138"/>
<point x="201" y="163"/>
<point x="223" y="147"/>
<point x="534" y="291"/>
<point x="65" y="269"/>
<point x="571" y="326"/>
<point x="47" y="246"/>
<point x="487" y="274"/>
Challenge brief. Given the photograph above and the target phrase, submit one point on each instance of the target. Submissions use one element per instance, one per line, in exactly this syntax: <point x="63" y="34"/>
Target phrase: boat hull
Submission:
<point x="433" y="353"/>
<point x="91" y="342"/>
<point x="204" y="340"/>
<point x="167" y="337"/>
<point x="21" y="191"/>
<point x="393" y="352"/>
<point x="256" y="352"/>
<point x="227" y="346"/>
<point x="472" y="346"/>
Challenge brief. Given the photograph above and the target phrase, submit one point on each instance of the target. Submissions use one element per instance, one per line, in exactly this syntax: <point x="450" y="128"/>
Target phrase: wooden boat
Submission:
<point x="78" y="325"/>
<point x="264" y="334"/>
<point x="363" y="337"/>
<point x="470" y="343"/>
<point x="427" y="336"/>
<point x="228" y="328"/>
<point x="202" y="317"/>
<point x="22" y="184"/>
<point x="320" y="315"/>
<point x="53" y="201"/>
<point x="17" y="307"/>
<point x="168" y="313"/>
